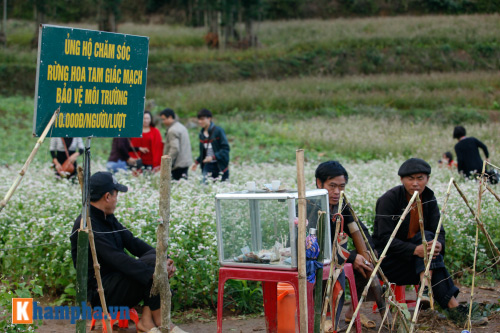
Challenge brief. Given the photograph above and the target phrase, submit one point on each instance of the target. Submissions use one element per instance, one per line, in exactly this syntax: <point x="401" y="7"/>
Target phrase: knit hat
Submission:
<point x="413" y="166"/>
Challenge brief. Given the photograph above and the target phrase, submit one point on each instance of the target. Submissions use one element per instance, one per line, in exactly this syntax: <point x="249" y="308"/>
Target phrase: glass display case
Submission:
<point x="258" y="229"/>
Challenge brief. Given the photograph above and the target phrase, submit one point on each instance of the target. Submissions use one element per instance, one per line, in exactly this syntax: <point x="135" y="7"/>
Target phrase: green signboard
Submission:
<point x="97" y="78"/>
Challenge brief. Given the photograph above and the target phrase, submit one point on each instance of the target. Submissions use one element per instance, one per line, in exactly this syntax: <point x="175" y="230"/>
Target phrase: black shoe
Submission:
<point x="460" y="315"/>
<point x="425" y="301"/>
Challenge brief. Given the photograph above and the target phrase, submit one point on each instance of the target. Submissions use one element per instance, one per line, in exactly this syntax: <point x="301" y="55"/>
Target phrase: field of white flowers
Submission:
<point x="36" y="224"/>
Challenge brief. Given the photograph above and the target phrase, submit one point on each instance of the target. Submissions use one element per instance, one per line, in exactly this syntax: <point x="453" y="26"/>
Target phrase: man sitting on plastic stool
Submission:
<point x="404" y="263"/>
<point x="333" y="177"/>
<point x="126" y="280"/>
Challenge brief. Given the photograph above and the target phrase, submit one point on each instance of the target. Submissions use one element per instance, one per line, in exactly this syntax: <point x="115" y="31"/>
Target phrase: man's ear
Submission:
<point x="318" y="183"/>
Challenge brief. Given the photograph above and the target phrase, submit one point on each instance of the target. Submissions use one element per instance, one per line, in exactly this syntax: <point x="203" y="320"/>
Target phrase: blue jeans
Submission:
<point x="212" y="170"/>
<point x="115" y="166"/>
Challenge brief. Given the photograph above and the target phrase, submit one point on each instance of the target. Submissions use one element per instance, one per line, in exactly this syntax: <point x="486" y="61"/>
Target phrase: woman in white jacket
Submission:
<point x="62" y="149"/>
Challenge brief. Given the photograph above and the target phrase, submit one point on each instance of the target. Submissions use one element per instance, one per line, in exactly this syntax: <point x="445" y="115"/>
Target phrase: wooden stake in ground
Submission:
<point x="381" y="273"/>
<point x="492" y="192"/>
<point x="382" y="257"/>
<point x="97" y="269"/>
<point x="39" y="142"/>
<point x="318" y="288"/>
<point x="160" y="278"/>
<point x="496" y="167"/>
<point x="478" y="220"/>
<point x="431" y="254"/>
<point x="424" y="243"/>
<point x="301" y="241"/>
<point x="335" y="272"/>
<point x="476" y="244"/>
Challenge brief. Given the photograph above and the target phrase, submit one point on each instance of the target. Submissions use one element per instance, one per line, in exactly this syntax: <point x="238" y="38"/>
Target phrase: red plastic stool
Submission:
<point x="270" y="279"/>
<point x="122" y="323"/>
<point x="349" y="274"/>
<point x="400" y="293"/>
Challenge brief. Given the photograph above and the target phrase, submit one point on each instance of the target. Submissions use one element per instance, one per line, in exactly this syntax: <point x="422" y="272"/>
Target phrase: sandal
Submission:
<point x="174" y="329"/>
<point x="364" y="321"/>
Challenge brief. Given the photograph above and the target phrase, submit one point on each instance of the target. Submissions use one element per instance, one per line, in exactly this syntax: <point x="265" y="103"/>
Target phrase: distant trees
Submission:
<point x="221" y="18"/>
<point x="230" y="22"/>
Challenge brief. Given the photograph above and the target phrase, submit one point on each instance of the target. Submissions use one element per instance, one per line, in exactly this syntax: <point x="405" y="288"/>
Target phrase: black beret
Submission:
<point x="413" y="166"/>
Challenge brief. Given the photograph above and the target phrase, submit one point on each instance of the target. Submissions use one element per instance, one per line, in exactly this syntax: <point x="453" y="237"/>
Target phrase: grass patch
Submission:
<point x="456" y="96"/>
<point x="260" y="136"/>
<point x="294" y="48"/>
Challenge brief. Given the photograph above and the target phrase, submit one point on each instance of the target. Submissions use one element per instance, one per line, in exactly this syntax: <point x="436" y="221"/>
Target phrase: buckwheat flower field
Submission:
<point x="36" y="224"/>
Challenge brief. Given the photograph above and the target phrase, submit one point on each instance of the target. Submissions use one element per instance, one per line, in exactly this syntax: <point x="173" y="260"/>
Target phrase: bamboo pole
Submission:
<point x="301" y="187"/>
<point x="382" y="257"/>
<point x="478" y="220"/>
<point x="97" y="269"/>
<point x="496" y="167"/>
<point x="424" y="243"/>
<point x="82" y="262"/>
<point x="476" y="244"/>
<point x="24" y="169"/>
<point x="374" y="260"/>
<point x="385" y="314"/>
<point x="332" y="277"/>
<point x="160" y="277"/>
<point x="492" y="192"/>
<point x="318" y="288"/>
<point x="431" y="254"/>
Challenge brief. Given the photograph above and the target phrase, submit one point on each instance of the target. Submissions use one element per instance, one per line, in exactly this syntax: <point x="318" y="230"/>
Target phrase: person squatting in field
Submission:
<point x="404" y="262"/>
<point x="332" y="176"/>
<point x="126" y="280"/>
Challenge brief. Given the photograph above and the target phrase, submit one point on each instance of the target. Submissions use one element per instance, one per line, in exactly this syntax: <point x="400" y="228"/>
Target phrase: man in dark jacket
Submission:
<point x="467" y="149"/>
<point x="333" y="177"/>
<point x="404" y="263"/>
<point x="126" y="280"/>
<point x="214" y="148"/>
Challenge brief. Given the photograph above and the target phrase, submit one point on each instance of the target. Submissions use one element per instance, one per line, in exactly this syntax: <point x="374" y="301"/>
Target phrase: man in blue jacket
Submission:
<point x="214" y="148"/>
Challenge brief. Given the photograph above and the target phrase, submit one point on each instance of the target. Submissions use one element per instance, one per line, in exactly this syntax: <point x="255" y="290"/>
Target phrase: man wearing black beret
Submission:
<point x="404" y="263"/>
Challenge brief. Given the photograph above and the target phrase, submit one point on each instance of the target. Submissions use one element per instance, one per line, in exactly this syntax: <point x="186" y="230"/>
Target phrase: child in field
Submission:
<point x="447" y="161"/>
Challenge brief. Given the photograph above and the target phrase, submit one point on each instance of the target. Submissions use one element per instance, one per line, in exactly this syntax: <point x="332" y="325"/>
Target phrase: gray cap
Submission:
<point x="413" y="166"/>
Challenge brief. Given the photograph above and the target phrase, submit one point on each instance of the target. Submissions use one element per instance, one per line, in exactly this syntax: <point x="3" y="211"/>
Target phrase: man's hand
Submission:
<point x="170" y="268"/>
<point x="437" y="250"/>
<point x="362" y="265"/>
<point x="131" y="161"/>
<point x="419" y="250"/>
<point x="144" y="150"/>
<point x="194" y="166"/>
<point x="208" y="159"/>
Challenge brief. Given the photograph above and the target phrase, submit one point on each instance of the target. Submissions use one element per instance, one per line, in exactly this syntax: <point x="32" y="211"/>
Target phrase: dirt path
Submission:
<point x="429" y="323"/>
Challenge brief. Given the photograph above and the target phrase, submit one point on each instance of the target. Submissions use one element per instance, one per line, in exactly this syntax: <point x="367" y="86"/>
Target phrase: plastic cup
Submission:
<point x="250" y="186"/>
<point x="275" y="185"/>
